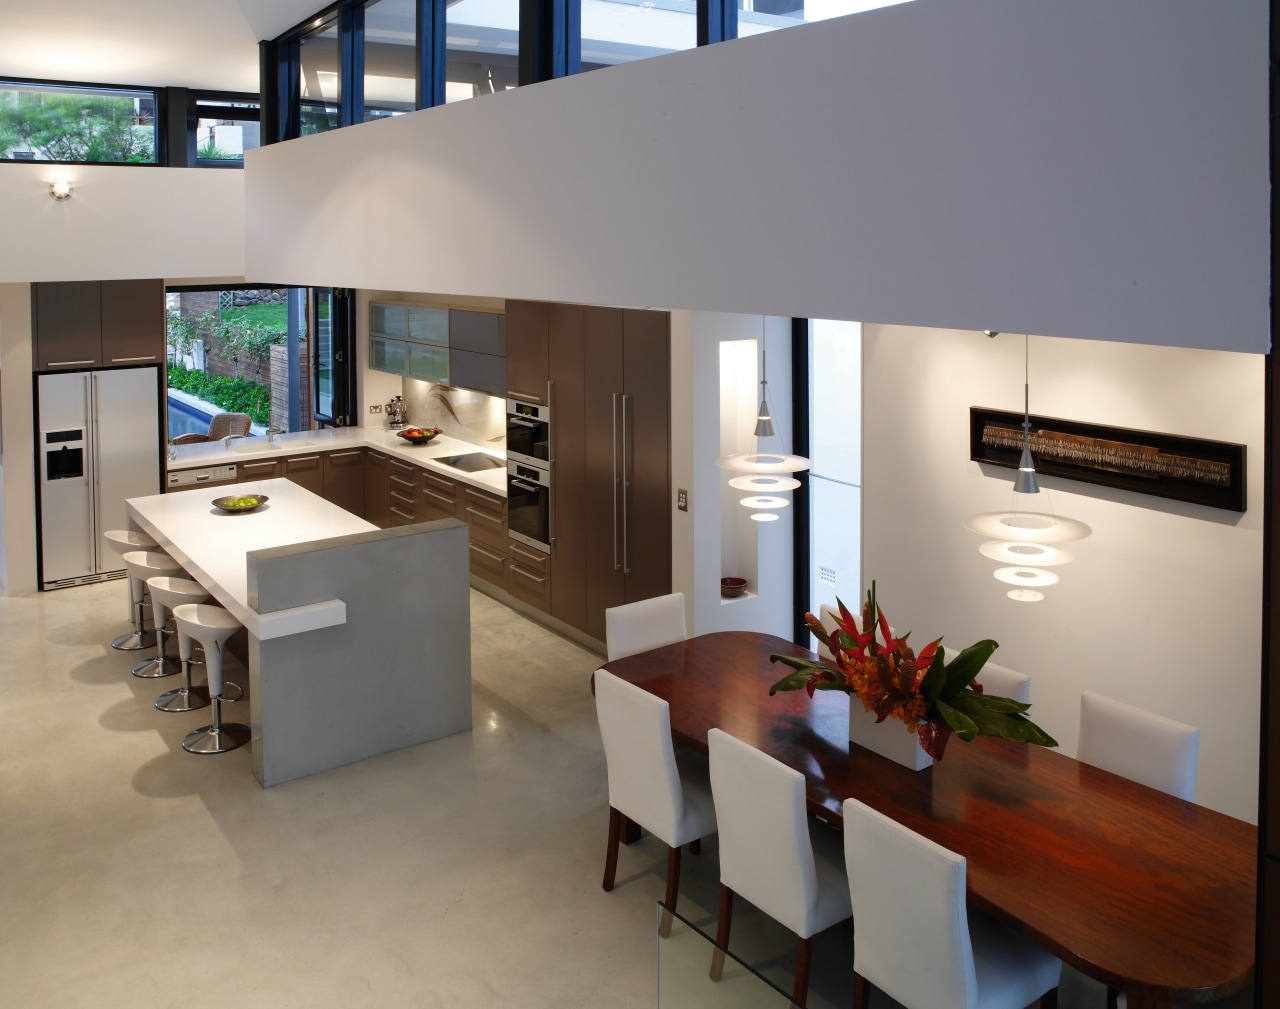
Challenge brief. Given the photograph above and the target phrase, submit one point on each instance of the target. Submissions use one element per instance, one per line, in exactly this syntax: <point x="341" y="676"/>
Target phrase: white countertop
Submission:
<point x="213" y="545"/>
<point x="426" y="457"/>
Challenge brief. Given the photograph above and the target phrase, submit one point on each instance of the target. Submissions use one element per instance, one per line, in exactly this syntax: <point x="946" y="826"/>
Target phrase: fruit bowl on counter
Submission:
<point x="235" y="504"/>
<point x="418" y="435"/>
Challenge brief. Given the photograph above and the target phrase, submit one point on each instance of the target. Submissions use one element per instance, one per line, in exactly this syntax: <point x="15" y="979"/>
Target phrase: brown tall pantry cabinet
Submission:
<point x="609" y="370"/>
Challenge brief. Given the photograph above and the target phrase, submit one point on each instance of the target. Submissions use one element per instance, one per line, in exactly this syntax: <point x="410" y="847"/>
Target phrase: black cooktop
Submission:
<point x="473" y="462"/>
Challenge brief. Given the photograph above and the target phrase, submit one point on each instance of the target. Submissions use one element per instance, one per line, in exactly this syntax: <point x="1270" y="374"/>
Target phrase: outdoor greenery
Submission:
<point x="71" y="127"/>
<point x="240" y="336"/>
<point x="235" y="395"/>
<point x="273" y="317"/>
<point x="210" y="151"/>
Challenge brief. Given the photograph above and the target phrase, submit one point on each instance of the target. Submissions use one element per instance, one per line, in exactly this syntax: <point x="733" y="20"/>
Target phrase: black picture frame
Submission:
<point x="1196" y="470"/>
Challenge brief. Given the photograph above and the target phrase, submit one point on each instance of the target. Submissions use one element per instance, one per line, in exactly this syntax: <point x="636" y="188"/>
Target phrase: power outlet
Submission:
<point x="375" y="408"/>
<point x="682" y="499"/>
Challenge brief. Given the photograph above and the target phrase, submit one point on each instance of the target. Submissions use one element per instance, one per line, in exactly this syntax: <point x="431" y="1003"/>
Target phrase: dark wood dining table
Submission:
<point x="1147" y="893"/>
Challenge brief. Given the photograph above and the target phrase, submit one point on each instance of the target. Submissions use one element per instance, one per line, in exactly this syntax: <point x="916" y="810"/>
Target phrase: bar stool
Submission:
<point x="211" y="626"/>
<point x="123" y="541"/>
<point x="144" y="564"/>
<point x="167" y="593"/>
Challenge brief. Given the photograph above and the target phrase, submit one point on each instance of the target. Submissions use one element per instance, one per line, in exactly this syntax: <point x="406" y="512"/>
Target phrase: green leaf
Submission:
<point x="965" y="727"/>
<point x="935" y="677"/>
<point x="991" y="720"/>
<point x="965" y="666"/>
<point x="792" y="681"/>
<point x="798" y="663"/>
<point x="995" y="702"/>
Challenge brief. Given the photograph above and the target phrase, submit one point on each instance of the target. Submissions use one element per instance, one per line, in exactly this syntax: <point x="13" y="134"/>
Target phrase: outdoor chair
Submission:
<point x="221" y="425"/>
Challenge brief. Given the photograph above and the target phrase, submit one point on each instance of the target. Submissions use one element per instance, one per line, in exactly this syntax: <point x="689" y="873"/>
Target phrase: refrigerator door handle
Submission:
<point x="90" y="476"/>
<point x="97" y="479"/>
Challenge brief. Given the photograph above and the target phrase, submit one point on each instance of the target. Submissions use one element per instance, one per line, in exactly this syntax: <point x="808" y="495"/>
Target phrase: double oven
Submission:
<point x="529" y="474"/>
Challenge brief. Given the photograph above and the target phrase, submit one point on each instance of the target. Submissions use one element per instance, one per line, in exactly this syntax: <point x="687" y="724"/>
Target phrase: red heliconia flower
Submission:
<point x="924" y="660"/>
<point x="848" y="623"/>
<point x="822" y="676"/>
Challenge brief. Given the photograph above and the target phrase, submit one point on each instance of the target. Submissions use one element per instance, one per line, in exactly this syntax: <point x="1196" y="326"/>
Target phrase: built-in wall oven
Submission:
<point x="529" y="504"/>
<point x="529" y="433"/>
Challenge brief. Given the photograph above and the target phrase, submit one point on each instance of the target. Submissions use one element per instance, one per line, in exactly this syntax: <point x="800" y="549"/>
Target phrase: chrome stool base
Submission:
<point x="210" y="740"/>
<point x="183" y="699"/>
<point x="155" y="667"/>
<point x="135" y="641"/>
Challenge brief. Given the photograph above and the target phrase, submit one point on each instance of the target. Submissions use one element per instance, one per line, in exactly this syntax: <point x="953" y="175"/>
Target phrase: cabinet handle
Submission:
<point x="343" y="455"/>
<point x="614" y="417"/>
<point x="377" y="455"/>
<point x="448" y="485"/>
<point x="551" y="464"/>
<point x="525" y="396"/>
<point x="202" y="477"/>
<point x="531" y="577"/>
<point x="126" y="360"/>
<point x="525" y="553"/>
<point x="484" y="515"/>
<point x="407" y="501"/>
<point x="63" y="364"/>
<point x="488" y="553"/>
<point x="403" y="515"/>
<point x="524" y="486"/>
<point x="493" y="503"/>
<point x="403" y="482"/>
<point x="257" y="465"/>
<point x="520" y="421"/>
<point x="626" y="484"/>
<point x="439" y="497"/>
<point x="302" y="458"/>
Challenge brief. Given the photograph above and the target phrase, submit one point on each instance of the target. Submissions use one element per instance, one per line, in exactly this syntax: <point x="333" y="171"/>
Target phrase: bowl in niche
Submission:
<point x="731" y="588"/>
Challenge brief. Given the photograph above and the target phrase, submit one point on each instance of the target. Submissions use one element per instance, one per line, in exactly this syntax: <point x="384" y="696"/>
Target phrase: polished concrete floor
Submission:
<point x="460" y="873"/>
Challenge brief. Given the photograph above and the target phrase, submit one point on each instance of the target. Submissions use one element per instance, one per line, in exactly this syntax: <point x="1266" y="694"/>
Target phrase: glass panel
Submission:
<point x="225" y="139"/>
<point x="428" y="363"/>
<point x="46" y="122"/>
<point x="684" y="973"/>
<point x="386" y="355"/>
<point x="430" y="325"/>
<point x="619" y="31"/>
<point x="758" y="16"/>
<point x="482" y="39"/>
<point x="387" y="319"/>
<point x="320" y="87"/>
<point x="324" y="362"/>
<point x="835" y="478"/>
<point x="390" y="60"/>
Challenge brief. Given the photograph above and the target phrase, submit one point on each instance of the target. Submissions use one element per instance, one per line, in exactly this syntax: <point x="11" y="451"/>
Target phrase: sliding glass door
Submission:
<point x="333" y="356"/>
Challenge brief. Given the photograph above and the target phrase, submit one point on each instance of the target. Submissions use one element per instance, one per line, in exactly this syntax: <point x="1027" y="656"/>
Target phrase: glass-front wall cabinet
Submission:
<point x="409" y="340"/>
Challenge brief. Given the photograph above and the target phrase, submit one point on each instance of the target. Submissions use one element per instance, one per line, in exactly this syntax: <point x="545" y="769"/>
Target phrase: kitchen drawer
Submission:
<point x="401" y="514"/>
<point x="489" y="564"/>
<point x="530" y="586"/>
<point x="404" y="470"/>
<point x="306" y="471"/>
<point x="529" y="558"/>
<point x="435" y="504"/>
<point x="268" y="470"/>
<point x="487" y="526"/>
<point x="440" y="484"/>
<point x="406" y="485"/>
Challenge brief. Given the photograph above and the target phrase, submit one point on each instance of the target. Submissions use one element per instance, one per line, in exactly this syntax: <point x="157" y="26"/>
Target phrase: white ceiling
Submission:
<point x="179" y="43"/>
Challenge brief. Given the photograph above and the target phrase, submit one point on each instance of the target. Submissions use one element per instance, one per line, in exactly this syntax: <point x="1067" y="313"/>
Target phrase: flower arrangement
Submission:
<point x="931" y="697"/>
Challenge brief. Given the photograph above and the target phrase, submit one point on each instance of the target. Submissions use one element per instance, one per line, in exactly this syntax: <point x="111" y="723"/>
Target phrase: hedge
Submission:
<point x="235" y="395"/>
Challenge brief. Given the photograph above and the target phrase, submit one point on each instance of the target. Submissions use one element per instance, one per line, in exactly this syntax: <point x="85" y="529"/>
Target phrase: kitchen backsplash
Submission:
<point x="459" y="413"/>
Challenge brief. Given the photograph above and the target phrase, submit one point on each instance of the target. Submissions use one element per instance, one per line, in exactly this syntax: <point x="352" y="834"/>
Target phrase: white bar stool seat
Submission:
<point x="122" y="541"/>
<point x="167" y="593"/>
<point x="144" y="564"/>
<point x="211" y="626"/>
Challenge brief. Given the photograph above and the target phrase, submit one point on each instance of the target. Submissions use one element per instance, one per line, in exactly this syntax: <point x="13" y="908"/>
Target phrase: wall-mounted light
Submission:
<point x="60" y="189"/>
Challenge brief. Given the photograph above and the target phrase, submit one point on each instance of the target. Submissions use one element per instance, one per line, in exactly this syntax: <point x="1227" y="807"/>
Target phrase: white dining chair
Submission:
<point x="771" y="852"/>
<point x="1139" y="745"/>
<point x="1001" y="681"/>
<point x="649" y="623"/>
<point x="647" y="785"/>
<point x="915" y="938"/>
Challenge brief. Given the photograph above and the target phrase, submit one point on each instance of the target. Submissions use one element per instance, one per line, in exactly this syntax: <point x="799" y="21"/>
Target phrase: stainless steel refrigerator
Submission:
<point x="98" y="444"/>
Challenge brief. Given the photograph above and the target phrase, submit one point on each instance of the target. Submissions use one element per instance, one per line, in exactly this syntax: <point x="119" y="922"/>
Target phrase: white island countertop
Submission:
<point x="428" y="457"/>
<point x="213" y="545"/>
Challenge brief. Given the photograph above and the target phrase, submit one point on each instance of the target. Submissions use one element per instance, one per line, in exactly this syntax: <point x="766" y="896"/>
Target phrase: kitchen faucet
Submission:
<point x="228" y="439"/>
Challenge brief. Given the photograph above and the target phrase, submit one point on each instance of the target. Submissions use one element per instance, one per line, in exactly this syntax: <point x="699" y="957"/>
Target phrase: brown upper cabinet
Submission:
<point x="526" y="338"/>
<point x="97" y="324"/>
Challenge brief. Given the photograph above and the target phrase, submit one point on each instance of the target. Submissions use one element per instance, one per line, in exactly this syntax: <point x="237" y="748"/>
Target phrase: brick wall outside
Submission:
<point x="280" y="387"/>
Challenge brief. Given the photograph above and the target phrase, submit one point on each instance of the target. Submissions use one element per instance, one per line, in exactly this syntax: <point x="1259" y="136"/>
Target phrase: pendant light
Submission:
<point x="1026" y="481"/>
<point x="1026" y="542"/>
<point x="764" y="475"/>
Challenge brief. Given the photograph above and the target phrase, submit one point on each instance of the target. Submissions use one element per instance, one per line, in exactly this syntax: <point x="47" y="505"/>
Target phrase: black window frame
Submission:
<point x="159" y="119"/>
<point x="213" y="101"/>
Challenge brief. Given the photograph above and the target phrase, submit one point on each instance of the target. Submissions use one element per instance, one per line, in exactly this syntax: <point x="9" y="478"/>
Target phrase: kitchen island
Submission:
<point x="359" y="637"/>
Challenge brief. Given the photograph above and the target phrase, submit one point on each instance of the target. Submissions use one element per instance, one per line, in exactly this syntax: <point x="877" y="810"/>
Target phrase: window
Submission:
<point x="835" y="452"/>
<point x="619" y="31"/>
<point x="758" y="16"/>
<point x="52" y="122"/>
<point x="226" y="127"/>
<point x="390" y="57"/>
<point x="320" y="86"/>
<point x="482" y="39"/>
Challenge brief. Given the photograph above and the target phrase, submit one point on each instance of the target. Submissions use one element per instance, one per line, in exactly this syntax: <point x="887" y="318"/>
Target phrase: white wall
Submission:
<point x="698" y="550"/>
<point x="1162" y="606"/>
<point x="122" y="222"/>
<point x="1093" y="169"/>
<point x="17" y="446"/>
